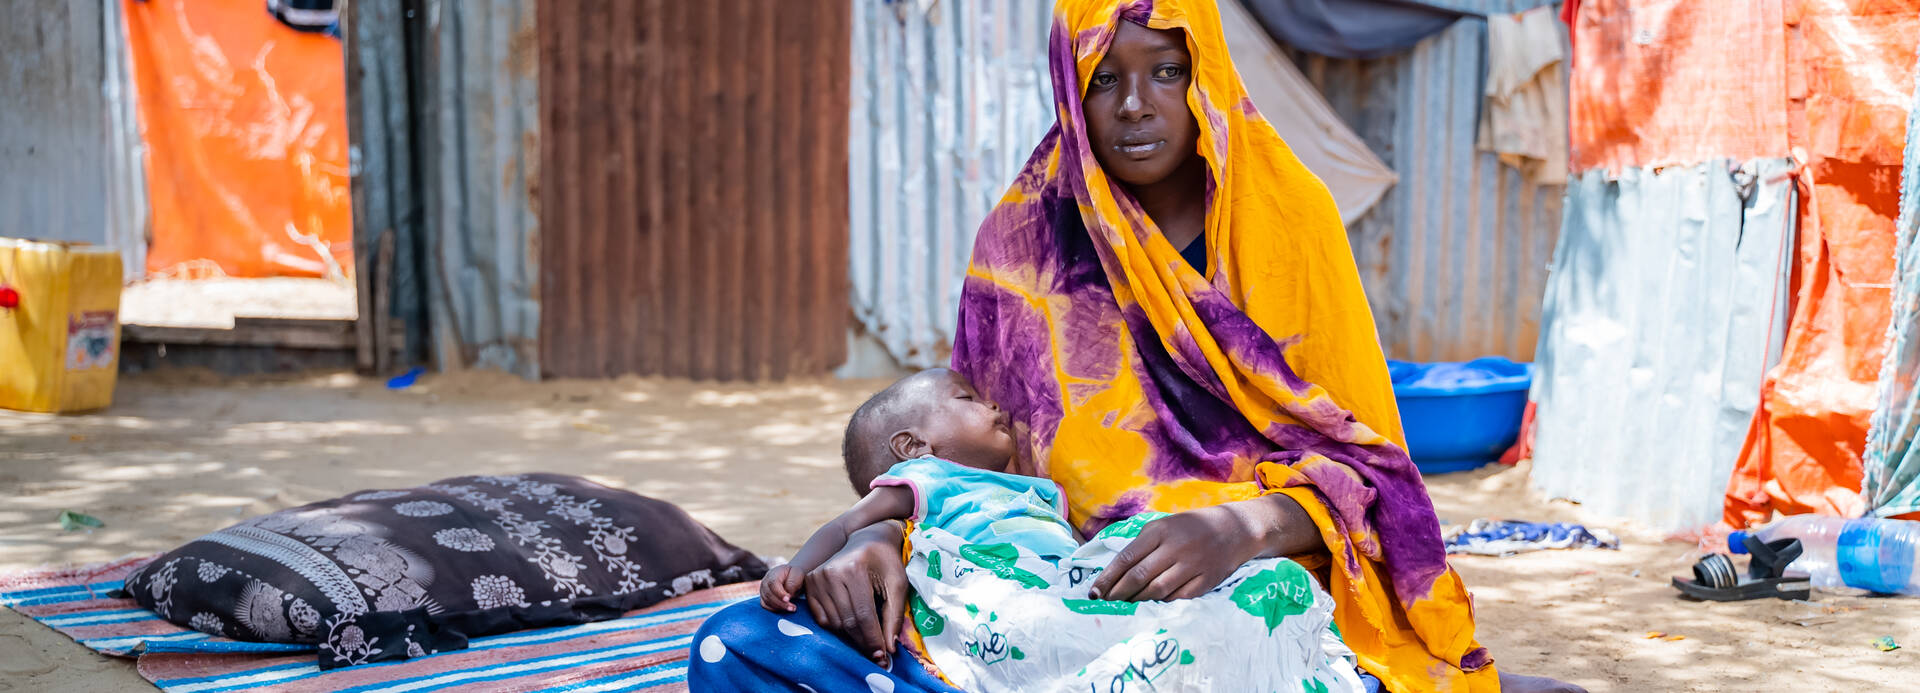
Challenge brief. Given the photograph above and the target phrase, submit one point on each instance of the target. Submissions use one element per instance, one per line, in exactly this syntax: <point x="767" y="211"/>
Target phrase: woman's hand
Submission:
<point x="1187" y="554"/>
<point x="840" y="593"/>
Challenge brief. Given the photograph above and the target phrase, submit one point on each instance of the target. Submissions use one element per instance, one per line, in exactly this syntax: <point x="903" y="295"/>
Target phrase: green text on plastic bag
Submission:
<point x="1285" y="590"/>
<point x="1100" y="607"/>
<point x="999" y="560"/>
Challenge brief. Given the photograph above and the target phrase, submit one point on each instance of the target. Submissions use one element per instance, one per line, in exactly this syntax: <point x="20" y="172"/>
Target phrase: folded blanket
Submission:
<point x="997" y="617"/>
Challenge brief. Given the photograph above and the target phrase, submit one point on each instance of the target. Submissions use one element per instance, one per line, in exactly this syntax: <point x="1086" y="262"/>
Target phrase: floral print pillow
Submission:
<point x="391" y="574"/>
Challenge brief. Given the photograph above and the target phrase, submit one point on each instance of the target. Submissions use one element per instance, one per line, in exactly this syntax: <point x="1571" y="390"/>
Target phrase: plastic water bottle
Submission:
<point x="1862" y="553"/>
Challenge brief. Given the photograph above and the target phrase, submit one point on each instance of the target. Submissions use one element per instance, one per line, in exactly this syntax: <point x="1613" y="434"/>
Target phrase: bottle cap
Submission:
<point x="1737" y="542"/>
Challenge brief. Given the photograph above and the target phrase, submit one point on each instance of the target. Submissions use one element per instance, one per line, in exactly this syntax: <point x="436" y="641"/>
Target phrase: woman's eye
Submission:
<point x="1169" y="72"/>
<point x="1104" y="79"/>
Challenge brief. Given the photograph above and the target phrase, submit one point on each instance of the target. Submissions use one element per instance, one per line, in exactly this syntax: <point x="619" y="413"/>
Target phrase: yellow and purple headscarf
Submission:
<point x="1141" y="384"/>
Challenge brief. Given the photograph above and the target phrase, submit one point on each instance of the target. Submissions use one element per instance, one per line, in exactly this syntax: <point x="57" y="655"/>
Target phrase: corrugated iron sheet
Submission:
<point x="1455" y="260"/>
<point x="384" y="173"/>
<point x="948" y="101"/>
<point x="479" y="129"/>
<point x="128" y="218"/>
<point x="694" y="187"/>
<point x="445" y="130"/>
<point x="69" y="144"/>
<point x="1665" y="309"/>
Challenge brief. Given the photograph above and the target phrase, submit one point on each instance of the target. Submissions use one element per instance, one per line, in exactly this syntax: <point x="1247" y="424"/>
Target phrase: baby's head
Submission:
<point x="933" y="412"/>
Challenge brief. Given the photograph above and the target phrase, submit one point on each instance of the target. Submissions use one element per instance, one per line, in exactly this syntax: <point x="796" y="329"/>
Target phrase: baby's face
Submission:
<point x="961" y="426"/>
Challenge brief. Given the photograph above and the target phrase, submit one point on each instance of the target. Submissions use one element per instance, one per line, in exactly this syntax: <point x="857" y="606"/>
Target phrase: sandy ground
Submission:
<point x="215" y="302"/>
<point x="180" y="455"/>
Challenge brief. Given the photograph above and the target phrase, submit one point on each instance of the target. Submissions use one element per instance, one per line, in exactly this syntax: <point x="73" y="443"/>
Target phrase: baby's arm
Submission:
<point x="782" y="583"/>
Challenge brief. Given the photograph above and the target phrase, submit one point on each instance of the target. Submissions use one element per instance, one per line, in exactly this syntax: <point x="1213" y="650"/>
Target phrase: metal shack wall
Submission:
<point x="948" y="102"/>
<point x="70" y="165"/>
<point x="1455" y="259"/>
<point x="694" y="191"/>
<point x="445" y="137"/>
<point x="1666" y="308"/>
<point x="480" y="131"/>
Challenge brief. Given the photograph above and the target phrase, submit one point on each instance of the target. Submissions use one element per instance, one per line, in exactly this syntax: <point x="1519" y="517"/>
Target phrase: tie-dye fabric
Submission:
<point x="1141" y="384"/>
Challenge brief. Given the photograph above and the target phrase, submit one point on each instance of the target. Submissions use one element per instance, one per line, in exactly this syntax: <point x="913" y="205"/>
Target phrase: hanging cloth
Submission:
<point x="1525" y="119"/>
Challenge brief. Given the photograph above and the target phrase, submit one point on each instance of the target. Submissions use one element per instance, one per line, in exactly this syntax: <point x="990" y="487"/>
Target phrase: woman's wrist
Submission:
<point x="1277" y="526"/>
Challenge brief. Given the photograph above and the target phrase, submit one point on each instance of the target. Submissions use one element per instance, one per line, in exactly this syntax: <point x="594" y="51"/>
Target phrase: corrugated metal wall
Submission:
<point x="1455" y="260"/>
<point x="445" y="134"/>
<point x="694" y="192"/>
<point x="480" y="131"/>
<point x="948" y="102"/>
<point x="1666" y="308"/>
<point x="944" y="108"/>
<point x="384" y="175"/>
<point x="128" y="218"/>
<point x="70" y="167"/>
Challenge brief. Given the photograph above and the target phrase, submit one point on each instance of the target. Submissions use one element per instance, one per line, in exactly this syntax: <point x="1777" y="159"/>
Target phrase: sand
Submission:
<point x="182" y="454"/>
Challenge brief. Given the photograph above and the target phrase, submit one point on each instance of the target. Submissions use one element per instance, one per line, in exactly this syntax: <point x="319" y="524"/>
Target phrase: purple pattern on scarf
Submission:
<point x="1128" y="505"/>
<point x="1050" y="246"/>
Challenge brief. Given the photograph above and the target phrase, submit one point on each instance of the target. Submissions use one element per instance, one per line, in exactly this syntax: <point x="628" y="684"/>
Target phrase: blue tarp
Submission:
<point x="1892" y="483"/>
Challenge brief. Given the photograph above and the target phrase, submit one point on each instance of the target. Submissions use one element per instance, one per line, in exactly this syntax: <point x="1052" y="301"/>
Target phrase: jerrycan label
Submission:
<point x="90" y="342"/>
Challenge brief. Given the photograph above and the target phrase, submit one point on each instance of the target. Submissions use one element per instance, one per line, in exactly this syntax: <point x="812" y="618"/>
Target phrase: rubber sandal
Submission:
<point x="1715" y="580"/>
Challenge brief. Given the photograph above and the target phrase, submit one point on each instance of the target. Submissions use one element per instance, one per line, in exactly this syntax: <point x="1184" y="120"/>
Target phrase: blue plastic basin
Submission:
<point x="1460" y="416"/>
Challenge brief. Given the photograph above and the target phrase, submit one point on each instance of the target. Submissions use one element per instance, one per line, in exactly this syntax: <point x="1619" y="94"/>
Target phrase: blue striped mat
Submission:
<point x="644" y="651"/>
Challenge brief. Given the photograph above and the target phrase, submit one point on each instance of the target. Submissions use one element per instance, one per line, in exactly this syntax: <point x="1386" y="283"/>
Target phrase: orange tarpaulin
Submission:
<point x="1658" y="82"/>
<point x="245" y="125"/>
<point x="1803" y="449"/>
<point x="1850" y="79"/>
<point x="1828" y="82"/>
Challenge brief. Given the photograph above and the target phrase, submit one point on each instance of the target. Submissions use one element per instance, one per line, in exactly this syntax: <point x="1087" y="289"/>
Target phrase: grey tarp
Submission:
<point x="1352" y="28"/>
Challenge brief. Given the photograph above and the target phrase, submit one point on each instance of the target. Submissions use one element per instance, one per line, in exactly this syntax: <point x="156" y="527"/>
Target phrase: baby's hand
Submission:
<point x="779" y="587"/>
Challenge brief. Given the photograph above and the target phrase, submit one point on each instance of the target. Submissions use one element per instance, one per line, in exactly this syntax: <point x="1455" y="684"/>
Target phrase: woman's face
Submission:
<point x="1138" y="122"/>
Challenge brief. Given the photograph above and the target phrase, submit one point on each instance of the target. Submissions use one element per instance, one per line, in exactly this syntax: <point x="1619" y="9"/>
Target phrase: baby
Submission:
<point x="1000" y="579"/>
<point x="931" y="449"/>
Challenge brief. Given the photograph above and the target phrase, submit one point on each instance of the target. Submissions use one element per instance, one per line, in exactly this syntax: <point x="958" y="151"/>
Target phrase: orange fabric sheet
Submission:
<point x="1803" y="448"/>
<point x="1828" y="82"/>
<point x="1850" y="76"/>
<point x="245" y="124"/>
<point x="1660" y="82"/>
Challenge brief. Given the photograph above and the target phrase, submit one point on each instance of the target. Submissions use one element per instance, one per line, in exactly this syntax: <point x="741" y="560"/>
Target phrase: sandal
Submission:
<point x="1715" y="579"/>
